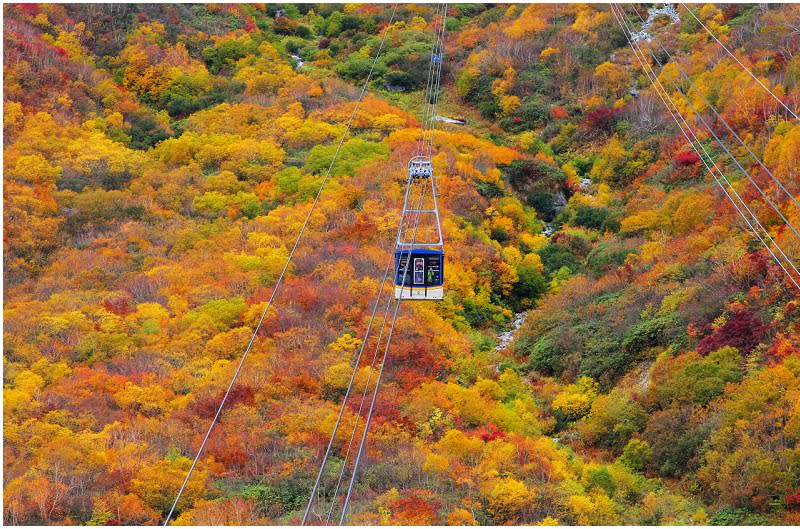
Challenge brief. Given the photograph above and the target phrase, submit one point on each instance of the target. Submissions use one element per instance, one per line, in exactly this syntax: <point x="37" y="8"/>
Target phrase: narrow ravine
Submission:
<point x="506" y="337"/>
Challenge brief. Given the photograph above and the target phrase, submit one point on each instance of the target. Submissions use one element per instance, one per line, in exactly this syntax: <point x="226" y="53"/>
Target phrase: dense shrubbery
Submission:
<point x="557" y="256"/>
<point x="595" y="218"/>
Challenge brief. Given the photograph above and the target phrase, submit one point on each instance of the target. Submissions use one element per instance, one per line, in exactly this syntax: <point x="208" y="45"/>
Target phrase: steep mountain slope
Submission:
<point x="671" y="305"/>
<point x="159" y="161"/>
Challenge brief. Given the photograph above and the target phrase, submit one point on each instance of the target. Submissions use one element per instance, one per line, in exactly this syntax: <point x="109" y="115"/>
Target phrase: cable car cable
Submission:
<point x="425" y="101"/>
<point x="438" y="83"/>
<point x="657" y="83"/>
<point x="347" y="396"/>
<point x="374" y="397"/>
<point x="429" y="83"/>
<point x="324" y="461"/>
<point x="688" y="79"/>
<point x="730" y="154"/>
<point x="437" y="59"/>
<point x="279" y="280"/>
<point x="344" y="401"/>
<point x="364" y="394"/>
<point x="429" y="111"/>
<point x="394" y="321"/>
<point x="654" y="79"/>
<point x="746" y="69"/>
<point x="426" y="96"/>
<point x="357" y="415"/>
<point x="374" y="310"/>
<point x="426" y="113"/>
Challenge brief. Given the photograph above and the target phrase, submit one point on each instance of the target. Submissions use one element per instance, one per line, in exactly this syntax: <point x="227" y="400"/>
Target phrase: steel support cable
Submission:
<point x="746" y="69"/>
<point x="377" y="348"/>
<point x="429" y="84"/>
<point x="386" y="273"/>
<point x="322" y="466"/>
<point x="434" y="60"/>
<point x="656" y="83"/>
<point x="427" y="114"/>
<point x="686" y="99"/>
<point x="369" y="378"/>
<point x="377" y="345"/>
<point x="371" y="407"/>
<point x="375" y="392"/>
<point x="349" y="388"/>
<point x="427" y="101"/>
<point x="315" y="489"/>
<point x="688" y="79"/>
<point x="366" y="385"/>
<point x="279" y="282"/>
<point x="428" y="81"/>
<point x="437" y="57"/>
<point x="438" y="82"/>
<point x="437" y="51"/>
<point x="438" y="63"/>
<point x="426" y="95"/>
<point x="388" y="339"/>
<point x="358" y="415"/>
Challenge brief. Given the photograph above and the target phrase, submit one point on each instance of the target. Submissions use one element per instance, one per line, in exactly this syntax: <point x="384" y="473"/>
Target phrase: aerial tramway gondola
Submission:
<point x="419" y="263"/>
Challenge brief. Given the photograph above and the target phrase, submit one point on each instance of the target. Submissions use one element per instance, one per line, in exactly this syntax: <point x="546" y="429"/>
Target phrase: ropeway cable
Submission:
<point x="746" y="69"/>
<point x="315" y="488"/>
<point x="427" y="112"/>
<point x="730" y="154"/>
<point x="438" y="82"/>
<point x="430" y="103"/>
<point x="688" y="79"/>
<point x="372" y="368"/>
<point x="280" y="278"/>
<point x="432" y="95"/>
<point x="389" y="337"/>
<point x="358" y="414"/>
<point x="434" y="65"/>
<point x="380" y="372"/>
<point x="425" y="101"/>
<point x="369" y="326"/>
<point x="656" y="83"/>
<point x="369" y="376"/>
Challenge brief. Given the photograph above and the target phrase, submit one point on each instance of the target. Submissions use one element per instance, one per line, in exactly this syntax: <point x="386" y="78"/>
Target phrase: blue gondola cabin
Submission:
<point x="424" y="276"/>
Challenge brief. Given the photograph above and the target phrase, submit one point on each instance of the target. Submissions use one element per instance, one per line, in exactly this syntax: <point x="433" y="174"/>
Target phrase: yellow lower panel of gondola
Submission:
<point x="418" y="292"/>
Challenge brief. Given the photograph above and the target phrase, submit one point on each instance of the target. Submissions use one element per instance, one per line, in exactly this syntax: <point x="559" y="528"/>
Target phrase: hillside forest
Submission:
<point x="159" y="160"/>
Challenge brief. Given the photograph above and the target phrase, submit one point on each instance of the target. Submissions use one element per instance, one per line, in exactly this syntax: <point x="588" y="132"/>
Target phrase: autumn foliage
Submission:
<point x="159" y="161"/>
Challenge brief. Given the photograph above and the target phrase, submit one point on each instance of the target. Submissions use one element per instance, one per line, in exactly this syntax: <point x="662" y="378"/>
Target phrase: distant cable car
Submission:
<point x="420" y="167"/>
<point x="419" y="274"/>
